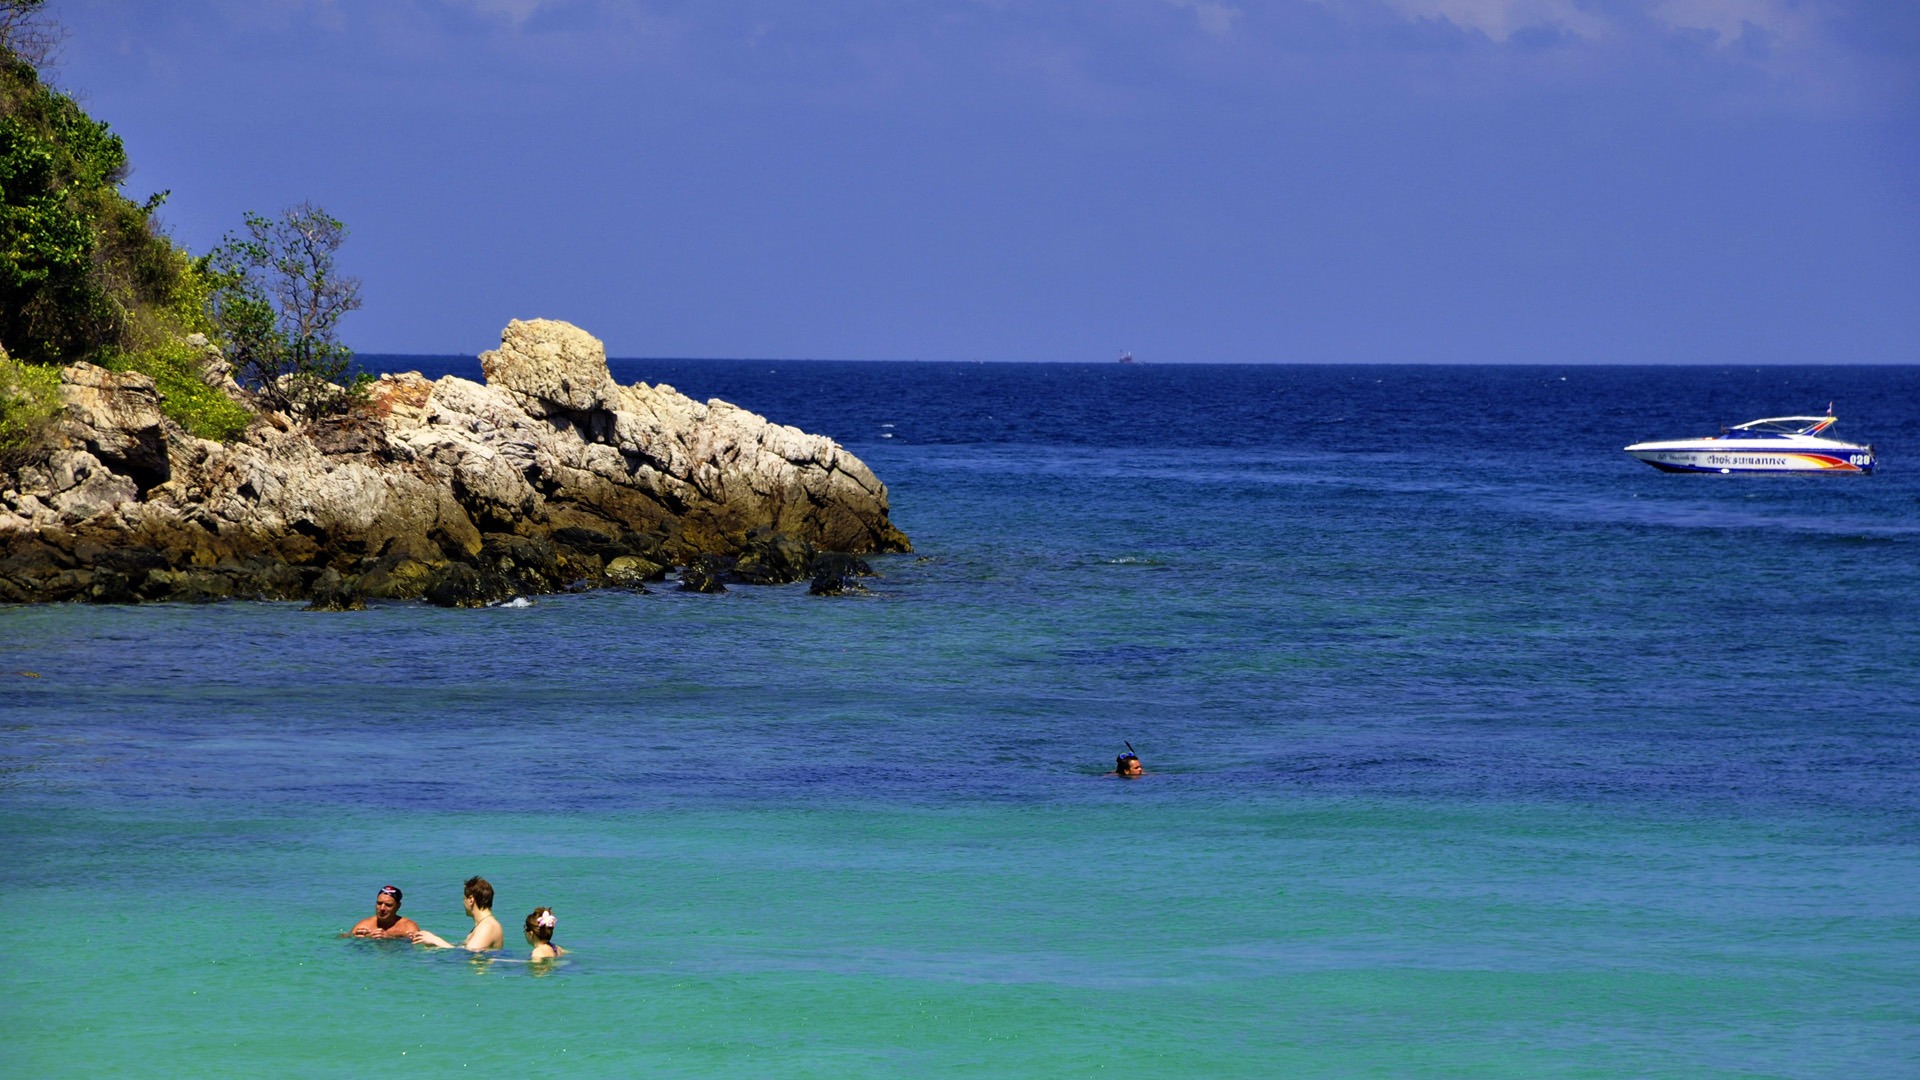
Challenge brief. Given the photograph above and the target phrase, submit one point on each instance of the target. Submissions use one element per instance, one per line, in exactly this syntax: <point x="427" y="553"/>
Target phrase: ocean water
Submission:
<point x="1476" y="749"/>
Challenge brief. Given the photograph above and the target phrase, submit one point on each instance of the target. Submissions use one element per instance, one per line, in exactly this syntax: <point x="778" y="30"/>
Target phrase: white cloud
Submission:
<point x="1728" y="19"/>
<point x="1215" y="18"/>
<point x="516" y="12"/>
<point x="1501" y="19"/>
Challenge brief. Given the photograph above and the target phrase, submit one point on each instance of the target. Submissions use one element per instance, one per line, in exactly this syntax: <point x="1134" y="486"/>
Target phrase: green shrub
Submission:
<point x="185" y="398"/>
<point x="29" y="401"/>
<point x="158" y="349"/>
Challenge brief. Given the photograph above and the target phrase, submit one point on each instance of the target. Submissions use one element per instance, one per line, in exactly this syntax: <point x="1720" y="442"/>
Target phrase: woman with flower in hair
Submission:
<point x="540" y="935"/>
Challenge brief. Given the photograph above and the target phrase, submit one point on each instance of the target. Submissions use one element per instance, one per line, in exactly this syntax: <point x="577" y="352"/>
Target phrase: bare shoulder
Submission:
<point x="487" y="935"/>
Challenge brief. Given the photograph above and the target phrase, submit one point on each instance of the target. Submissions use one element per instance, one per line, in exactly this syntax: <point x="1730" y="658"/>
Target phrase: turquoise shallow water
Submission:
<point x="1459" y="768"/>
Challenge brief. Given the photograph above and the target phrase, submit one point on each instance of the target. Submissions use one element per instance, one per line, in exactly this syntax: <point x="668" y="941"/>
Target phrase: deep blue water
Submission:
<point x="1477" y="748"/>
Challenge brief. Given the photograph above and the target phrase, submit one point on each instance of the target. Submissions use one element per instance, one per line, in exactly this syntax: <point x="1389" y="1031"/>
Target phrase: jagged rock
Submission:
<point x="110" y="587"/>
<point x="633" y="572"/>
<point x="551" y="367"/>
<point x="460" y="585"/>
<point x="827" y="583"/>
<point x="548" y="477"/>
<point x="214" y="369"/>
<point x="772" y="559"/>
<point x="529" y="562"/>
<point x="706" y="574"/>
<point x="193" y="586"/>
<point x="116" y="416"/>
<point x="575" y="539"/>
<point x="395" y="578"/>
<point x="838" y="574"/>
<point x="331" y="592"/>
<point x="340" y="435"/>
<point x="79" y="485"/>
<point x="840" y="564"/>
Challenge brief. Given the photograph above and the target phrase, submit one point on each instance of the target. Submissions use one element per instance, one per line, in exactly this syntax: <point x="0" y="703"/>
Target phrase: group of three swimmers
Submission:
<point x="387" y="923"/>
<point x="486" y="936"/>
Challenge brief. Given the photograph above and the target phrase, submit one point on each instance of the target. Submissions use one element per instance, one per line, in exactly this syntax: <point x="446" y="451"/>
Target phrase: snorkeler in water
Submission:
<point x="1128" y="764"/>
<point x="540" y="935"/>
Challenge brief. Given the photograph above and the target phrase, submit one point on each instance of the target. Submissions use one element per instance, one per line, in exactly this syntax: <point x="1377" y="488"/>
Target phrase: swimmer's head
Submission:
<point x="480" y="892"/>
<point x="1127" y="765"/>
<point x="386" y="902"/>
<point x="540" y="924"/>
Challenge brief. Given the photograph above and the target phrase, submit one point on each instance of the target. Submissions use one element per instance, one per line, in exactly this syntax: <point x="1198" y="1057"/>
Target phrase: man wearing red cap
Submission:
<point x="386" y="920"/>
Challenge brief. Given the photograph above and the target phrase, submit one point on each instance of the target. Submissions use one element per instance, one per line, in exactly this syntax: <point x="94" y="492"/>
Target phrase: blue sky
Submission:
<point x="1553" y="181"/>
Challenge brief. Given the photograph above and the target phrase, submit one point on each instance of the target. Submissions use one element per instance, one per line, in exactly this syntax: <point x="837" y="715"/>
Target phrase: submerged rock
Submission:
<point x="772" y="559"/>
<point x="461" y="585"/>
<point x="840" y="564"/>
<point x="548" y="476"/>
<point x="706" y="574"/>
<point x="633" y="572"/>
<point x="331" y="592"/>
<point x="828" y="584"/>
<point x="838" y="574"/>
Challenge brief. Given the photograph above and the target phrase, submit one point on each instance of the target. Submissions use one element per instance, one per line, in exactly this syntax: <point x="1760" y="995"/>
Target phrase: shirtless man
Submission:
<point x="486" y="933"/>
<point x="386" y="920"/>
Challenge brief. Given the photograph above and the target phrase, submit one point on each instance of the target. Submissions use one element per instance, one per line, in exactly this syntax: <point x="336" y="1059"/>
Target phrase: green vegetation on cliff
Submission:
<point x="82" y="271"/>
<point x="85" y="274"/>
<point x="27" y="404"/>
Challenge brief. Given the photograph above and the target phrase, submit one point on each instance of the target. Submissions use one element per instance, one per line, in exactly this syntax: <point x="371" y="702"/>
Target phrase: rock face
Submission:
<point x="116" y="417"/>
<point x="549" y="476"/>
<point x="552" y="369"/>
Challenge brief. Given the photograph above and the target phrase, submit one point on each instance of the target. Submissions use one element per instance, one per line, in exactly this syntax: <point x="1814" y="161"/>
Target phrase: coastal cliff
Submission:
<point x="548" y="476"/>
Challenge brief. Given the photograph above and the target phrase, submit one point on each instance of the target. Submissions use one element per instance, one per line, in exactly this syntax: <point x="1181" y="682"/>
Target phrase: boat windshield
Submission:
<point x="1783" y="425"/>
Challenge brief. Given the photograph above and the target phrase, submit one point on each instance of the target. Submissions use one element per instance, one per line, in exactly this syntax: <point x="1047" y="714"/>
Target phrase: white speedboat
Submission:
<point x="1777" y="444"/>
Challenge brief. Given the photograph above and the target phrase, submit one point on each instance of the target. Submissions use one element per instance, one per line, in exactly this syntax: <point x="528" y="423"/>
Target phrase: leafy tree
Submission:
<point x="277" y="302"/>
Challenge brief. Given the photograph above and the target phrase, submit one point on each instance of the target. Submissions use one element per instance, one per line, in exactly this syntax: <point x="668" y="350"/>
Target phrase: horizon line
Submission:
<point x="1201" y="363"/>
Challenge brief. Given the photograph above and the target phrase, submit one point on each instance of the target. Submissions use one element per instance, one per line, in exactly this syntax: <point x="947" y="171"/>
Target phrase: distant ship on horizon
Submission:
<point x="1125" y="357"/>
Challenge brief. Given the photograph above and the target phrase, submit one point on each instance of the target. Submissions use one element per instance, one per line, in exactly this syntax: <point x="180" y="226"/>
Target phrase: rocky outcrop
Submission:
<point x="552" y="369"/>
<point x="837" y="574"/>
<point x="549" y="476"/>
<point x="116" y="417"/>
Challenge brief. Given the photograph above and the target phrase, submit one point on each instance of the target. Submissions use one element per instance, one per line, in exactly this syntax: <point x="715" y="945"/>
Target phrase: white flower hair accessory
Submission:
<point x="545" y="922"/>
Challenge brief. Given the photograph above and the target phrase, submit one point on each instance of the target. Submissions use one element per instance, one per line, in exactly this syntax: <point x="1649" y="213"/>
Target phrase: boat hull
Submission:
<point x="1769" y="460"/>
